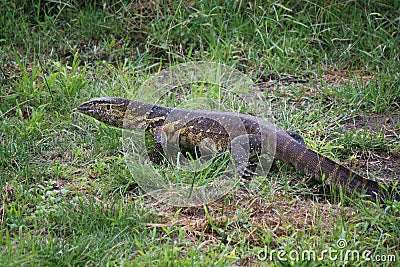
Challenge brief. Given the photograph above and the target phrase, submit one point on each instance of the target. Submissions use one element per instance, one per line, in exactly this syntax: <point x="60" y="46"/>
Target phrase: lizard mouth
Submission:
<point x="103" y="103"/>
<point x="86" y="108"/>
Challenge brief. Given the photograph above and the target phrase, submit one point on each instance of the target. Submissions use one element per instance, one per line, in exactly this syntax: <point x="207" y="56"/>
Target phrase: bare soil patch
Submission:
<point x="385" y="162"/>
<point x="250" y="217"/>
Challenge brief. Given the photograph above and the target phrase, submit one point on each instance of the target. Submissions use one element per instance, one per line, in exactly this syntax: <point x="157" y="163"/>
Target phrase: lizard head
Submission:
<point x="109" y="110"/>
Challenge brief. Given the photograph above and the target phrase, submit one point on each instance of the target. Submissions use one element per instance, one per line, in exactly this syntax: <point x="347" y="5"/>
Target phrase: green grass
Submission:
<point x="68" y="197"/>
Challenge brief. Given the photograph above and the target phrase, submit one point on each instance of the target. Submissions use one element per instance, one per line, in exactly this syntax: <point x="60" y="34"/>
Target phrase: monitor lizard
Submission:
<point x="290" y="148"/>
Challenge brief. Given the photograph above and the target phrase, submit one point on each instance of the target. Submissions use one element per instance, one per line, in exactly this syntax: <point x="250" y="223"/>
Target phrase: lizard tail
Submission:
<point x="324" y="169"/>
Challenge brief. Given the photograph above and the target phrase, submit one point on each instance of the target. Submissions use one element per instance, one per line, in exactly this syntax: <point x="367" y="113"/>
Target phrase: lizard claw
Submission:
<point x="244" y="170"/>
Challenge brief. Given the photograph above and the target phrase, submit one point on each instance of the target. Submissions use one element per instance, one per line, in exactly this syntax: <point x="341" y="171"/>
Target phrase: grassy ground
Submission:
<point x="68" y="198"/>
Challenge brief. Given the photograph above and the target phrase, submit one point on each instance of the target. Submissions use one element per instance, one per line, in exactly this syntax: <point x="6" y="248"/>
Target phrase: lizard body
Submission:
<point x="198" y="125"/>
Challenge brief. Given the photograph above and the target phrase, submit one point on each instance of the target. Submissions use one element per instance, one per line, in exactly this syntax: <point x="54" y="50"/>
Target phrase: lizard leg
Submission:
<point x="296" y="137"/>
<point x="154" y="146"/>
<point x="244" y="153"/>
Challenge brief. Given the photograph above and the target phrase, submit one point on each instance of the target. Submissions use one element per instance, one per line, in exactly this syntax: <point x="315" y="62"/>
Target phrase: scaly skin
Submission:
<point x="125" y="113"/>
